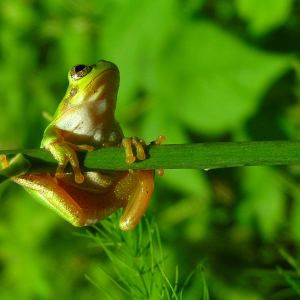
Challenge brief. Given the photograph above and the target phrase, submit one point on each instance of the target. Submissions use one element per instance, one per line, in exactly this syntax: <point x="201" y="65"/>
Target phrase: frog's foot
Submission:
<point x="127" y="143"/>
<point x="64" y="152"/>
<point x="159" y="141"/>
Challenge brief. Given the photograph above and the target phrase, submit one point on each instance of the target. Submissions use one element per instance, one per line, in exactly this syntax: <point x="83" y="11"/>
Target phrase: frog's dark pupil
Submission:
<point x="79" y="68"/>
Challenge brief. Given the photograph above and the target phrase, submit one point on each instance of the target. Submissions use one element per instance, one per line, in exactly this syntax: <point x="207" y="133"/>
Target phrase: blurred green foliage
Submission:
<point x="192" y="70"/>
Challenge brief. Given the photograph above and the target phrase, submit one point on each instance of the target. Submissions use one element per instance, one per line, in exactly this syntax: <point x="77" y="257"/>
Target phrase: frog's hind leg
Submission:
<point x="45" y="190"/>
<point x="137" y="188"/>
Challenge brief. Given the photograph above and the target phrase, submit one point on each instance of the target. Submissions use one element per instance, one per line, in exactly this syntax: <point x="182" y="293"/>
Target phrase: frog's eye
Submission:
<point x="80" y="71"/>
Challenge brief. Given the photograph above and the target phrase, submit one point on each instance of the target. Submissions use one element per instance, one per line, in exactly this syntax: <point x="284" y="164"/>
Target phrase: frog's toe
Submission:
<point x="139" y="148"/>
<point x="160" y="172"/>
<point x="80" y="147"/>
<point x="79" y="178"/>
<point x="60" y="170"/>
<point x="159" y="140"/>
<point x="86" y="147"/>
<point x="127" y="143"/>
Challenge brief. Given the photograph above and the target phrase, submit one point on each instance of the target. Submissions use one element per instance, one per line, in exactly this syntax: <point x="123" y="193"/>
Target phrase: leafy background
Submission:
<point x="192" y="70"/>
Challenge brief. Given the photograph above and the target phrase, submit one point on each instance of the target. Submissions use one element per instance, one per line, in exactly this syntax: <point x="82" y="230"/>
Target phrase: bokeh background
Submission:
<point x="194" y="71"/>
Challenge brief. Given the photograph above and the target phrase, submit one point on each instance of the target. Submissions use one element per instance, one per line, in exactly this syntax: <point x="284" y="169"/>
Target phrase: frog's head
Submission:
<point x="92" y="83"/>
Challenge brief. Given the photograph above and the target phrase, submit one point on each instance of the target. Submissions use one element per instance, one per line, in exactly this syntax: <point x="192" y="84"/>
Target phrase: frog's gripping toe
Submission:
<point x="127" y="143"/>
<point x="159" y="140"/>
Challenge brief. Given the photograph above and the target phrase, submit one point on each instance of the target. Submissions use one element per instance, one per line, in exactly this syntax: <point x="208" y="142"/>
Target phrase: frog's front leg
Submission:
<point x="63" y="152"/>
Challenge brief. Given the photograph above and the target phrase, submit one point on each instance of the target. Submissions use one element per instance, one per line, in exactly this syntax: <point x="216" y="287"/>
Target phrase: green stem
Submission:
<point x="188" y="156"/>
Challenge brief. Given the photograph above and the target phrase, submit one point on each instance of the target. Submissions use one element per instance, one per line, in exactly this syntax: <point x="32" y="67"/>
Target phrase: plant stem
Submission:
<point x="187" y="156"/>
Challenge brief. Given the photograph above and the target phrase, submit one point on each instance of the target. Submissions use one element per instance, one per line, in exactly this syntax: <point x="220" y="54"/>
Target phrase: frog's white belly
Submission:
<point x="83" y="124"/>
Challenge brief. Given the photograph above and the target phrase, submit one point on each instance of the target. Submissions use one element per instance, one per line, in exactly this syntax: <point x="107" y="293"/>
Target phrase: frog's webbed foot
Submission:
<point x="64" y="152"/>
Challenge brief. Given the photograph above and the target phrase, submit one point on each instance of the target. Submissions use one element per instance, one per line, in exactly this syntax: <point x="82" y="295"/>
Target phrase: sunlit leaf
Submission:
<point x="263" y="16"/>
<point x="215" y="81"/>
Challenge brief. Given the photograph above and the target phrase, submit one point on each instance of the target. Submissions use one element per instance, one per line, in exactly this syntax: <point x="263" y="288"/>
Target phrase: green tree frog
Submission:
<point x="86" y="119"/>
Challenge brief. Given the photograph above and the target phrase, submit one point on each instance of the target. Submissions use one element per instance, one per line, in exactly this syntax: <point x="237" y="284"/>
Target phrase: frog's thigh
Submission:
<point x="137" y="188"/>
<point x="45" y="190"/>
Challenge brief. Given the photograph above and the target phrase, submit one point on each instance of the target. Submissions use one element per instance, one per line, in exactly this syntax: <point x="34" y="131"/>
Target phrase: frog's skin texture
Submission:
<point x="85" y="119"/>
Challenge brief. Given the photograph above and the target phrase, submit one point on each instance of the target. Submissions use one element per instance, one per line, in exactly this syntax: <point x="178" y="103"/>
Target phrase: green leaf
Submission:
<point x="215" y="81"/>
<point x="263" y="16"/>
<point x="146" y="28"/>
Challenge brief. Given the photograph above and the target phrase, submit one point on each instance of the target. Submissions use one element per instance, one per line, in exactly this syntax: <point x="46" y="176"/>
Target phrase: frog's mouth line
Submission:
<point x="115" y="70"/>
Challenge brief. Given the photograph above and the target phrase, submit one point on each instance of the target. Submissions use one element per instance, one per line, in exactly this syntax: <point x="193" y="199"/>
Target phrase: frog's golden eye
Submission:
<point x="80" y="71"/>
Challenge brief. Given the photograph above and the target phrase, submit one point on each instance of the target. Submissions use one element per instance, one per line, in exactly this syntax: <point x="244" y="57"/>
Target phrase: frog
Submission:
<point x="85" y="120"/>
